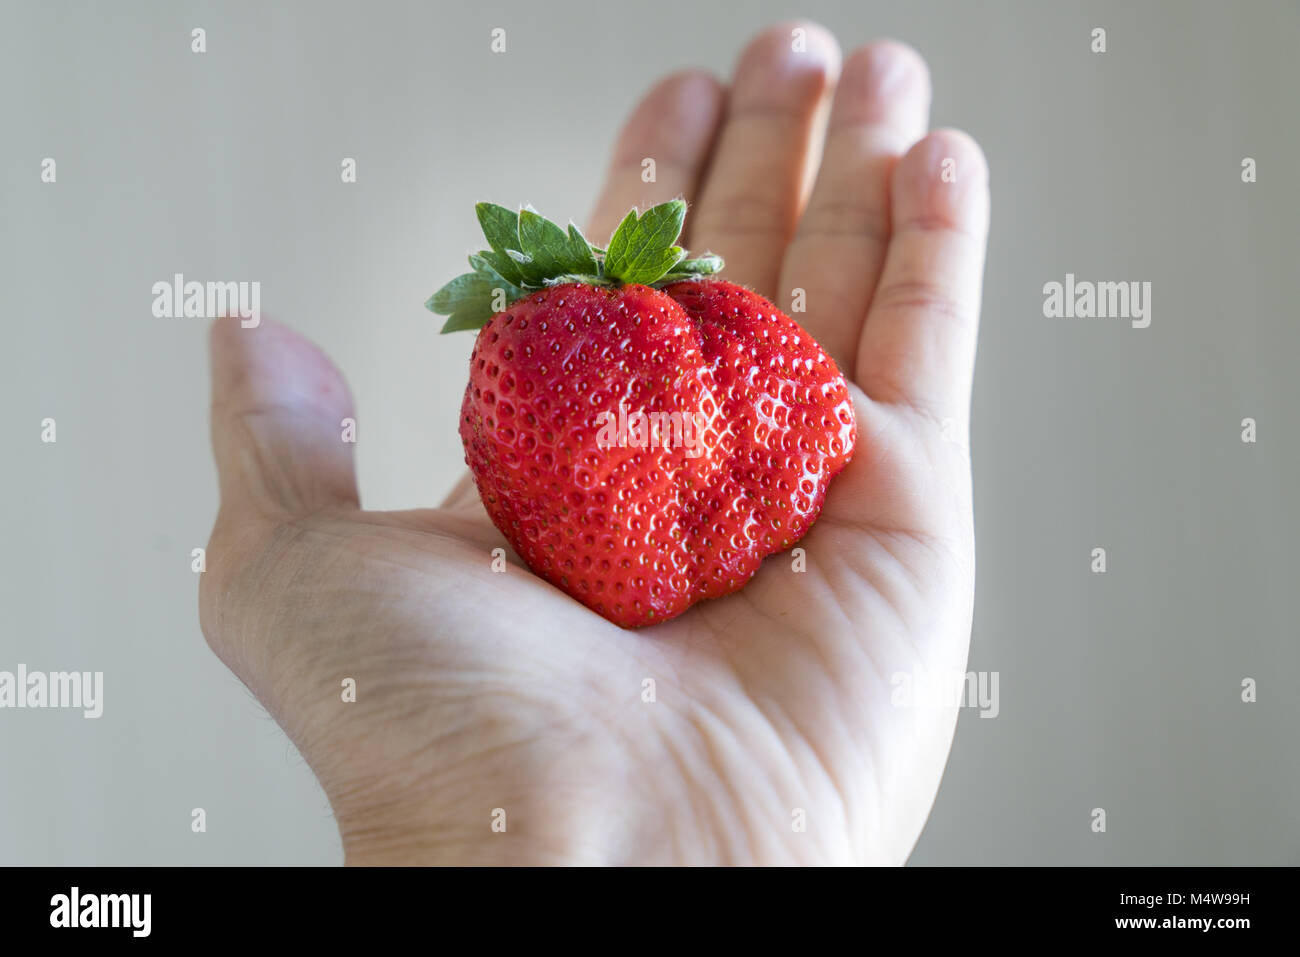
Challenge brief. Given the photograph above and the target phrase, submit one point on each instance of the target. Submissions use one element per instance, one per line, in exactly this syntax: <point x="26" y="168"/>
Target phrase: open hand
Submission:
<point x="479" y="691"/>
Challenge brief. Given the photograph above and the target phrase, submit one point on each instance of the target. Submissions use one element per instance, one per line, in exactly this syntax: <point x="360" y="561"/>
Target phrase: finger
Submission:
<point x="278" y="431"/>
<point x="754" y="188"/>
<point x="673" y="126"/>
<point x="881" y="107"/>
<point x="918" y="344"/>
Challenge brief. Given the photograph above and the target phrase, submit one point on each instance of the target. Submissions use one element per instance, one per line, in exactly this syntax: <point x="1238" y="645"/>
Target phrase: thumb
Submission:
<point x="278" y="432"/>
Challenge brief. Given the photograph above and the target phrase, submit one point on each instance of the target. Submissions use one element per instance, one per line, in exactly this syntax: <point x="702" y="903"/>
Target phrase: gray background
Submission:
<point x="1118" y="691"/>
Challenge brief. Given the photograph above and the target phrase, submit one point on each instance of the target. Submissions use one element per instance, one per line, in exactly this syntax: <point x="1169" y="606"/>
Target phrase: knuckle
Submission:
<point x="844" y="216"/>
<point x="925" y="296"/>
<point x="224" y="587"/>
<point x="733" y="213"/>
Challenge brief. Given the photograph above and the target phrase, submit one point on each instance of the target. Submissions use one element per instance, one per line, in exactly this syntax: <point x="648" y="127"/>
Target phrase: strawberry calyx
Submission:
<point x="529" y="252"/>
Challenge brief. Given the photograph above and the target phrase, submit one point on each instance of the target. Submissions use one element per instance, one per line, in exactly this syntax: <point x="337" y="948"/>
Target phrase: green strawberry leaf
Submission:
<point x="641" y="249"/>
<point x="484" y="266"/>
<point x="502" y="265"/>
<point x="548" y="249"/>
<point x="705" y="265"/>
<point x="582" y="257"/>
<point x="466" y="301"/>
<point x="529" y="252"/>
<point x="501" y="227"/>
<point x="471" y="299"/>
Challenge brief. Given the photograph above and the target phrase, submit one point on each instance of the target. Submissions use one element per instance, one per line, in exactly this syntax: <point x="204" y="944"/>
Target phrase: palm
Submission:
<point x="772" y="699"/>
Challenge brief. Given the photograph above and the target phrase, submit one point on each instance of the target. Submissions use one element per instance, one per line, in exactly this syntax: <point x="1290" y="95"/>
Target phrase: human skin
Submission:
<point x="478" y="691"/>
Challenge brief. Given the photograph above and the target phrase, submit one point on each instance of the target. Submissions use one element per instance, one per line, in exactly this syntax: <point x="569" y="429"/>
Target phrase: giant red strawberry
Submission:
<point x="642" y="434"/>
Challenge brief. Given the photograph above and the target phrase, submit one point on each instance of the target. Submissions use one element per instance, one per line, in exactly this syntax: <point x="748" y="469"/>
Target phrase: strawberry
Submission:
<point x="643" y="434"/>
